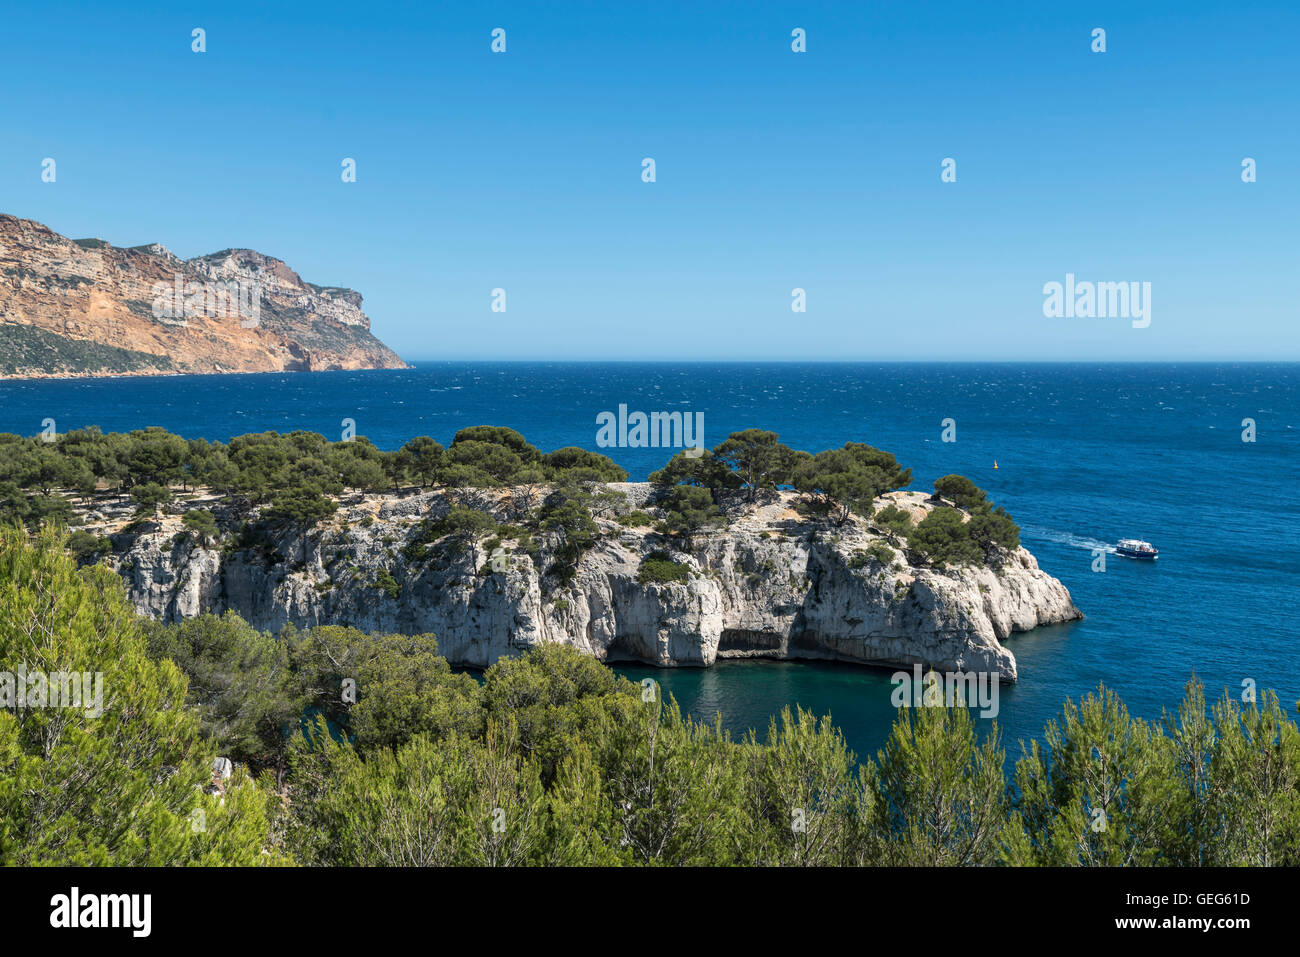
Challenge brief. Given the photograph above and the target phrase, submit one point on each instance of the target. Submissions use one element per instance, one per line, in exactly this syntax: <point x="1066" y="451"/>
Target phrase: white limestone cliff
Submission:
<point x="769" y="584"/>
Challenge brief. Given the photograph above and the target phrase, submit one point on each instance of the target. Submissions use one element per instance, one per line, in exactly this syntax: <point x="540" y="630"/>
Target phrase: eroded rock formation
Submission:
<point x="767" y="584"/>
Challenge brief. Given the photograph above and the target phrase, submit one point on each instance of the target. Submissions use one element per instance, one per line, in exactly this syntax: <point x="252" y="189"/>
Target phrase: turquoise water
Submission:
<point x="1087" y="454"/>
<point x="746" y="694"/>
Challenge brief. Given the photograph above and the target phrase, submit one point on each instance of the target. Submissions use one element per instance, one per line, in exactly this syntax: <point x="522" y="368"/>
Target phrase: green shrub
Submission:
<point x="943" y="539"/>
<point x="85" y="547"/>
<point x="149" y="497"/>
<point x="659" y="568"/>
<point x="877" y="552"/>
<point x="202" y="524"/>
<point x="384" y="580"/>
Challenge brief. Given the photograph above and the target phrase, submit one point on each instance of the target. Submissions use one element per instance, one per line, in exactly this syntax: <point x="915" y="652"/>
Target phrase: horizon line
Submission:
<point x="882" y="361"/>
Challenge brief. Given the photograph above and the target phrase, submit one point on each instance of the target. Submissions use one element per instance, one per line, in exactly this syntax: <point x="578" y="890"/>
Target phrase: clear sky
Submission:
<point x="775" y="170"/>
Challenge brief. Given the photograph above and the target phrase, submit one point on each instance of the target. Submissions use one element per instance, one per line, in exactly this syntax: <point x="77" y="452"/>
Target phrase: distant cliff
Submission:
<point x="86" y="308"/>
<point x="768" y="585"/>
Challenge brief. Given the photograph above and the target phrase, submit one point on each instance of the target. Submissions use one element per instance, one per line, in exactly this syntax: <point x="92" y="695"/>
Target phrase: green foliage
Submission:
<point x="943" y="538"/>
<point x="27" y="349"/>
<point x="1097" y="793"/>
<point x="32" y="510"/>
<point x="154" y="456"/>
<point x="556" y="696"/>
<point x="659" y="568"/>
<point x="702" y="469"/>
<point x="357" y="464"/>
<point x="993" y="527"/>
<point x="149" y="497"/>
<point x="1254" y="776"/>
<point x="688" y="510"/>
<point x="877" y="552"/>
<point x="483" y="456"/>
<point x="759" y="460"/>
<point x="300" y="507"/>
<point x="400" y="686"/>
<point x="461" y="523"/>
<point x="385" y="581"/>
<point x="803" y="796"/>
<point x="117" y="782"/>
<point x="960" y="490"/>
<point x="568" y="512"/>
<point x="421" y="457"/>
<point x="848" y="480"/>
<point x="941" y="795"/>
<point x="572" y="464"/>
<point x="896" y="522"/>
<point x="674" y="788"/>
<point x="423" y="804"/>
<point x="202" y="524"/>
<point x="500" y="436"/>
<point x="85" y="547"/>
<point x="240" y="684"/>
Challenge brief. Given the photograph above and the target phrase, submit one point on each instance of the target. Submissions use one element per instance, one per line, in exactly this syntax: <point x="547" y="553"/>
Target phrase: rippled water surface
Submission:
<point x="1086" y="454"/>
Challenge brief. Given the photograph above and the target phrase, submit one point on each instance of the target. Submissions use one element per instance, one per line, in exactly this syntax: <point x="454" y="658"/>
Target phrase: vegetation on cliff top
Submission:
<point x="367" y="749"/>
<point x="296" y="479"/>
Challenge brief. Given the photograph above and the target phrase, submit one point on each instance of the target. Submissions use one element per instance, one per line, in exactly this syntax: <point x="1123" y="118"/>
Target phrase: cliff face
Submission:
<point x="85" y="307"/>
<point x="762" y="587"/>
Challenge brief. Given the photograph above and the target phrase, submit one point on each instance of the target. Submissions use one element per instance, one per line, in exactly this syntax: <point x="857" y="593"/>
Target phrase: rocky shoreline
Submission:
<point x="770" y="584"/>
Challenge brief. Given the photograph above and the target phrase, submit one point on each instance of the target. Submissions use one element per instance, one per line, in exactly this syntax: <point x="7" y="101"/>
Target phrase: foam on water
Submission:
<point x="1085" y="455"/>
<point x="1064" y="538"/>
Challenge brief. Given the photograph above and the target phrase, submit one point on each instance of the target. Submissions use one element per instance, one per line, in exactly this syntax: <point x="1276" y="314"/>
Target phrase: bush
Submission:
<point x="894" y="520"/>
<point x="960" y="489"/>
<point x="689" y="509"/>
<point x="384" y="580"/>
<point x="878" y="552"/>
<point x="113" y="783"/>
<point x="149" y="497"/>
<point x="239" y="684"/>
<point x="301" y="506"/>
<point x="942" y="538"/>
<point x="85" y="547"/>
<point x="402" y="687"/>
<point x="202" y="524"/>
<point x="573" y="464"/>
<point x="659" y="568"/>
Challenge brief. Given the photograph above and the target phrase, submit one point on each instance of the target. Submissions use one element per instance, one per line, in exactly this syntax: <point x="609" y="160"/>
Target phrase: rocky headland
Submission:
<point x="87" y="308"/>
<point x="770" y="583"/>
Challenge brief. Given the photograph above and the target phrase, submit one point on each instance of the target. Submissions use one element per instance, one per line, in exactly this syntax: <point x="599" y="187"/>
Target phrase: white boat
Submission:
<point x="1136" y="548"/>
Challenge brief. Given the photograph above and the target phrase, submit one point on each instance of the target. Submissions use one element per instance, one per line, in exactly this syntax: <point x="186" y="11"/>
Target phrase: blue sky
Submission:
<point x="775" y="170"/>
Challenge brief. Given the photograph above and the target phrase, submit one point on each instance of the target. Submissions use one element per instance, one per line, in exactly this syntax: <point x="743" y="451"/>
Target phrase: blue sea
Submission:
<point x="1086" y="454"/>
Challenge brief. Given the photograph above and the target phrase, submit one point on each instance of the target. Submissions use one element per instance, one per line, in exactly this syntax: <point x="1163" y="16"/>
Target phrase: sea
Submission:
<point x="1200" y="459"/>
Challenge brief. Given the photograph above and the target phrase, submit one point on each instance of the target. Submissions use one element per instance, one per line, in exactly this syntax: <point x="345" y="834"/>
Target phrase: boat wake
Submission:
<point x="1066" y="538"/>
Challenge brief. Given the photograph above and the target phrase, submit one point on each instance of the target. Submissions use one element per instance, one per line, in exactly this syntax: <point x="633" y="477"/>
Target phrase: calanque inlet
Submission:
<point x="768" y="584"/>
